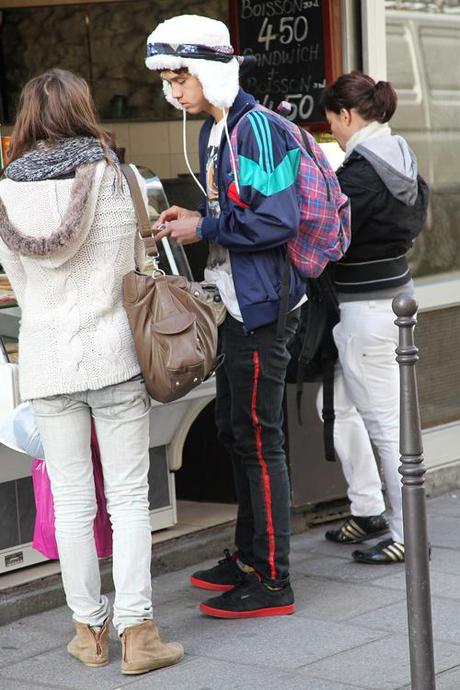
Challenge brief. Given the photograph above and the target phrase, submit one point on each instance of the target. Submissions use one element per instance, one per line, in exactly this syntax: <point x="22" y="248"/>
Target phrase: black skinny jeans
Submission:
<point x="249" y="418"/>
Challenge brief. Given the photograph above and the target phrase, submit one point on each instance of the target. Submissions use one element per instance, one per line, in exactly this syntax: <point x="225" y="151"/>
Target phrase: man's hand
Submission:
<point x="175" y="213"/>
<point x="181" y="231"/>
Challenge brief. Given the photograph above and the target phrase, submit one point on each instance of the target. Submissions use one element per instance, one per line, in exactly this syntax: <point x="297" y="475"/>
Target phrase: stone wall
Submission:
<point x="105" y="44"/>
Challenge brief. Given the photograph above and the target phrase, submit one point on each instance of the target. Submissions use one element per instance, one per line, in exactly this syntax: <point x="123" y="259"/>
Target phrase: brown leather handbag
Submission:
<point x="173" y="326"/>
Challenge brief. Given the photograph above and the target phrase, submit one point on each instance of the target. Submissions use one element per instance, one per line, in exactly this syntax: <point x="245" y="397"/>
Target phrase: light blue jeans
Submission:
<point x="121" y="417"/>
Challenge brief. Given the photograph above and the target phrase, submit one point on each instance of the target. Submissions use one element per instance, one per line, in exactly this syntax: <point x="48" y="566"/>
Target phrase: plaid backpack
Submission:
<point x="324" y="231"/>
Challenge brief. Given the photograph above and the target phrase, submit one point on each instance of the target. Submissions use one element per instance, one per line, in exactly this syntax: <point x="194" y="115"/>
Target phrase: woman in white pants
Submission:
<point x="388" y="209"/>
<point x="67" y="237"/>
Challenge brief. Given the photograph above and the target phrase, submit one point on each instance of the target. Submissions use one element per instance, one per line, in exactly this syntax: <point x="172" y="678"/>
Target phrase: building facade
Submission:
<point x="414" y="44"/>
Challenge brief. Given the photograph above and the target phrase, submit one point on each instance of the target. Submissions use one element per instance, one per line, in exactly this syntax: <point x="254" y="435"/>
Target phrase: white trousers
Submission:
<point x="121" y="417"/>
<point x="366" y="401"/>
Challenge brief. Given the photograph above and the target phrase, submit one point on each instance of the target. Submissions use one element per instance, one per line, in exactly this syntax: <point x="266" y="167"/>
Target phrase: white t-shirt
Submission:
<point x="218" y="268"/>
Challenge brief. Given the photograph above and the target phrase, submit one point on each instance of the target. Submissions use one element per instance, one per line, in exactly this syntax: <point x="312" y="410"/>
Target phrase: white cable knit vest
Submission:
<point x="74" y="333"/>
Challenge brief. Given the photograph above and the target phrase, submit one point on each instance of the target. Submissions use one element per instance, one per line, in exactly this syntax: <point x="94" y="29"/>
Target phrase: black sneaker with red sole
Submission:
<point x="223" y="577"/>
<point x="251" y="599"/>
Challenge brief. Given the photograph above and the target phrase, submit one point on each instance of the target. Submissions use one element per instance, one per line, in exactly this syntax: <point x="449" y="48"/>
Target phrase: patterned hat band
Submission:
<point x="191" y="50"/>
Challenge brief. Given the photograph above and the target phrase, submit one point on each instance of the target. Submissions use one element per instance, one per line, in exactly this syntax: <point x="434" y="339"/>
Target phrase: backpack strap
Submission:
<point x="284" y="300"/>
<point x="311" y="153"/>
<point x="328" y="411"/>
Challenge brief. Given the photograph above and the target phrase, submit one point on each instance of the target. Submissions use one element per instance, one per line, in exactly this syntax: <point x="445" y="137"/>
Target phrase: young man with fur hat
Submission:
<point x="248" y="214"/>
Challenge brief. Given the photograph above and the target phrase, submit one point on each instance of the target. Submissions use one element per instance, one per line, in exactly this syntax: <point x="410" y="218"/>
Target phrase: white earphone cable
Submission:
<point x="184" y="142"/>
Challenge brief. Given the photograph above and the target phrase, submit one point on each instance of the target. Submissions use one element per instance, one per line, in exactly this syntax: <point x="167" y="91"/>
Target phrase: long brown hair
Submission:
<point x="371" y="100"/>
<point x="55" y="105"/>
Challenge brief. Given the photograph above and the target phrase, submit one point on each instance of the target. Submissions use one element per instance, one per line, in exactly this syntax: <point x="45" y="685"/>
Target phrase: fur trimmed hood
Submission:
<point x="218" y="72"/>
<point x="57" y="245"/>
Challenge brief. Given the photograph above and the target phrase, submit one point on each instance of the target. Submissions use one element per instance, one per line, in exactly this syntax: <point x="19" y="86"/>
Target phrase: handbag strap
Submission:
<point x="143" y="222"/>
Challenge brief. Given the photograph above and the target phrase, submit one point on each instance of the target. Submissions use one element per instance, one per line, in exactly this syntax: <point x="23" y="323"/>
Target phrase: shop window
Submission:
<point x="443" y="66"/>
<point x="423" y="45"/>
<point x="402" y="58"/>
<point x="103" y="42"/>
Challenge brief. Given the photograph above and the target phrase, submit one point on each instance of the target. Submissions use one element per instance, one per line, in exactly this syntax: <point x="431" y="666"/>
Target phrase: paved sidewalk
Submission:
<point x="349" y="632"/>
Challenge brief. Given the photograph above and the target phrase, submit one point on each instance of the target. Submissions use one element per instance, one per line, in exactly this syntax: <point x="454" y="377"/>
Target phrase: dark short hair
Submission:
<point x="181" y="70"/>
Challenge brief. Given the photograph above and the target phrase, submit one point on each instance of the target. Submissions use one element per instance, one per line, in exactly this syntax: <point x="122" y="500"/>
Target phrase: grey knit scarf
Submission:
<point x="45" y="161"/>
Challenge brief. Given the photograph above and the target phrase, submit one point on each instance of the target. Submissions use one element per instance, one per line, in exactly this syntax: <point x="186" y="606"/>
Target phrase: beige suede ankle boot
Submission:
<point x="144" y="651"/>
<point x="90" y="646"/>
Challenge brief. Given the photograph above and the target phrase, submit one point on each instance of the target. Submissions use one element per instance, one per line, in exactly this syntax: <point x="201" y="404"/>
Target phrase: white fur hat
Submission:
<point x="201" y="45"/>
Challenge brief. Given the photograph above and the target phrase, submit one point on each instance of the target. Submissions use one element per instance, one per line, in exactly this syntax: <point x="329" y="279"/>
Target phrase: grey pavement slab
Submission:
<point x="446" y="617"/>
<point x="19" y="641"/>
<point x="446" y="560"/>
<point x="9" y="684"/>
<point x="168" y="587"/>
<point x="449" y="680"/>
<point x="298" y="640"/>
<point x="444" y="531"/>
<point x="380" y="665"/>
<point x="310" y="552"/>
<point x="212" y="674"/>
<point x="448" y="504"/>
<point x="338" y="602"/>
<point x="57" y="668"/>
<point x="349" y="633"/>
<point x="339" y="569"/>
<point x="313" y="543"/>
<point x="442" y="584"/>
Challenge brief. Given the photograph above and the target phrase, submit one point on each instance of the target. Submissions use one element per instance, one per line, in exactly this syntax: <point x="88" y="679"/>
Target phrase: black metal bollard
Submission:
<point x="413" y="470"/>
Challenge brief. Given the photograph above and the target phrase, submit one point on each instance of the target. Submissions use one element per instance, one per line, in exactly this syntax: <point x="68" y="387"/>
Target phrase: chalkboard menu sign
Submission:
<point x="295" y="45"/>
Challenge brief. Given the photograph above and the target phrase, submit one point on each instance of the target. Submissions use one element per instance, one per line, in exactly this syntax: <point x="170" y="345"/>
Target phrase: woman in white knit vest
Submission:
<point x="67" y="238"/>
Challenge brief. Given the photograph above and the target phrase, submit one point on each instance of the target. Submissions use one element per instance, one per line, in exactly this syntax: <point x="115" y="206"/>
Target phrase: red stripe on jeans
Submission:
<point x="263" y="465"/>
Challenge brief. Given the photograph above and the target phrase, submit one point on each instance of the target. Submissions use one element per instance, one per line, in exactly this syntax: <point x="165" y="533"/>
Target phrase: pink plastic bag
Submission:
<point x="44" y="539"/>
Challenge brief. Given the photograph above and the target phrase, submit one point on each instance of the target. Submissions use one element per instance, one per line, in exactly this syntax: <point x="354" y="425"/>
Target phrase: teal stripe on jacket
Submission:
<point x="269" y="183"/>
